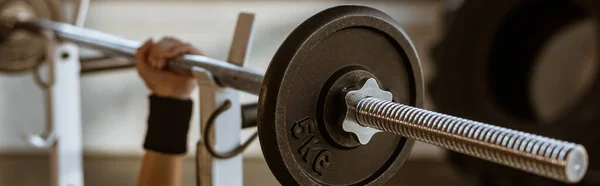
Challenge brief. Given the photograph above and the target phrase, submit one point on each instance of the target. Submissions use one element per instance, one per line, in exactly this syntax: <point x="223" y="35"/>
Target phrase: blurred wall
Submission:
<point x="115" y="103"/>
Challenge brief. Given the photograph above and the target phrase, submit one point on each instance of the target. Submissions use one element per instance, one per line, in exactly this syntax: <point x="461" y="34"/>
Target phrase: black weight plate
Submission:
<point x="337" y="43"/>
<point x="484" y="64"/>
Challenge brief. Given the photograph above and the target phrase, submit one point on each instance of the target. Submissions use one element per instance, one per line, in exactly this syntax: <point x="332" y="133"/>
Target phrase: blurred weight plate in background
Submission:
<point x="527" y="65"/>
<point x="22" y="50"/>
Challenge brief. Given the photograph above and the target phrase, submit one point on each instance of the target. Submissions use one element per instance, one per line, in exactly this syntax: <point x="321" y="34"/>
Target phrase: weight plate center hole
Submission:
<point x="565" y="70"/>
<point x="542" y="67"/>
<point x="333" y="106"/>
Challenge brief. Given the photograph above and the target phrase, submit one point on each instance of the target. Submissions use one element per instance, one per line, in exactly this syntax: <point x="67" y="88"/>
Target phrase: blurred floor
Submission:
<point x="103" y="171"/>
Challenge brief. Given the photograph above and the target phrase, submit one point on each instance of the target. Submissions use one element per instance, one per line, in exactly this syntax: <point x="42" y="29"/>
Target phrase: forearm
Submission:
<point x="159" y="169"/>
<point x="166" y="142"/>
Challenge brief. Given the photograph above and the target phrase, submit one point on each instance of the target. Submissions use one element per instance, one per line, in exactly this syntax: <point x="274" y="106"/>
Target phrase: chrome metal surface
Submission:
<point x="350" y="124"/>
<point x="559" y="160"/>
<point x="226" y="74"/>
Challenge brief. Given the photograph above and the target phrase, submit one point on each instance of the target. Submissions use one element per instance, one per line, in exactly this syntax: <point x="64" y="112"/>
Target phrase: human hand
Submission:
<point x="151" y="60"/>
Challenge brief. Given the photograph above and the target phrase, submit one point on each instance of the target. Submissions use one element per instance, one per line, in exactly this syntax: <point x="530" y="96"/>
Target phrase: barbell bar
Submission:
<point x="225" y="74"/>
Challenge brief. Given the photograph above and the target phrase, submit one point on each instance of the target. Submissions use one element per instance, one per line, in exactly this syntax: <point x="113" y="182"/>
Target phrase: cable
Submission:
<point x="37" y="77"/>
<point x="208" y="143"/>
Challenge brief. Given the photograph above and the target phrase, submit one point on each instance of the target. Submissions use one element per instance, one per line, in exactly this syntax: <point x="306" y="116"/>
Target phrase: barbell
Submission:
<point x="338" y="104"/>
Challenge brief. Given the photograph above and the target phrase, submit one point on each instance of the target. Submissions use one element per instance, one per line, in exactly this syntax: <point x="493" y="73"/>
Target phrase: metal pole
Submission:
<point x="372" y="108"/>
<point x="555" y="159"/>
<point x="225" y="74"/>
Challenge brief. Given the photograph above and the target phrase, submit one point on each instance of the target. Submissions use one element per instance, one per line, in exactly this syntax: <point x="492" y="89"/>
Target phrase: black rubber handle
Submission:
<point x="249" y="115"/>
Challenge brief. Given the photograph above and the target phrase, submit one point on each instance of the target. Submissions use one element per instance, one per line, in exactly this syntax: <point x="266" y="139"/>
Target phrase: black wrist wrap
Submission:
<point x="168" y="125"/>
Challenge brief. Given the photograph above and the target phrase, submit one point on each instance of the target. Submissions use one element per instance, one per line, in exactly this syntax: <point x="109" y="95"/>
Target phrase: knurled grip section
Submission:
<point x="543" y="156"/>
